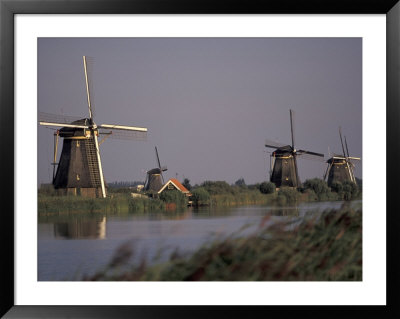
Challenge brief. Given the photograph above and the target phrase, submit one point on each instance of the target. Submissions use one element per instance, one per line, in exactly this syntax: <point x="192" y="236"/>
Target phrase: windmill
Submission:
<point x="340" y="167"/>
<point x="284" y="163"/>
<point x="79" y="170"/>
<point x="154" y="178"/>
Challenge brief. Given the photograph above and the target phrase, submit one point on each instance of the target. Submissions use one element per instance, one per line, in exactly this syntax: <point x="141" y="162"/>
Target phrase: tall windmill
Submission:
<point x="340" y="167"/>
<point x="284" y="163"/>
<point x="79" y="170"/>
<point x="154" y="178"/>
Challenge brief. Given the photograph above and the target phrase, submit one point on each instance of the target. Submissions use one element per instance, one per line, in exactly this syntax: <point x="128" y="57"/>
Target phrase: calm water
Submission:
<point x="73" y="245"/>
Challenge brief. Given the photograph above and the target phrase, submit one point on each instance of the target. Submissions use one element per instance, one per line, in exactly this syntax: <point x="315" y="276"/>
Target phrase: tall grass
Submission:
<point x="141" y="205"/>
<point x="247" y="197"/>
<point x="53" y="205"/>
<point x="329" y="248"/>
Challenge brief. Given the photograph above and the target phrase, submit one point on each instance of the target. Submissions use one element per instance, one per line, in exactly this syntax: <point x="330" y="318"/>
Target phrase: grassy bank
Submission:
<point x="209" y="193"/>
<point x="317" y="250"/>
<point x="117" y="204"/>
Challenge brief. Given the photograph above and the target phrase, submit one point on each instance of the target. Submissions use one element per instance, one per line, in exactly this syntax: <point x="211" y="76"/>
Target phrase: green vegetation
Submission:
<point x="223" y="194"/>
<point x="212" y="193"/>
<point x="200" y="196"/>
<point x="142" y="205"/>
<point x="186" y="183"/>
<point x="287" y="195"/>
<point x="328" y="248"/>
<point x="318" y="189"/>
<point x="175" y="197"/>
<point x="267" y="188"/>
<point x="50" y="205"/>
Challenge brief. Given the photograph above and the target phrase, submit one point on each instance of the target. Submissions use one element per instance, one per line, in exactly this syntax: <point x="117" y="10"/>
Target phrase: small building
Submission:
<point x="174" y="184"/>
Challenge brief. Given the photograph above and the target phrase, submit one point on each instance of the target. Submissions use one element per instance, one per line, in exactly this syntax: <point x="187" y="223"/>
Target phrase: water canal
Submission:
<point x="70" y="246"/>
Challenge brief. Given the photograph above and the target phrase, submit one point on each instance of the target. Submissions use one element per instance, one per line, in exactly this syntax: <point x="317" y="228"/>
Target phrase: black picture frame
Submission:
<point x="8" y="10"/>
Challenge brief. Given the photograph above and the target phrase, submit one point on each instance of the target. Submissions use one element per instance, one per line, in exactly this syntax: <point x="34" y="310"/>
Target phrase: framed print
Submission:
<point x="208" y="82"/>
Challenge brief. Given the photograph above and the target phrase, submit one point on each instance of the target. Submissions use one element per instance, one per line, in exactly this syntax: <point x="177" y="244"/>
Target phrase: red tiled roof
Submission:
<point x="174" y="181"/>
<point x="182" y="188"/>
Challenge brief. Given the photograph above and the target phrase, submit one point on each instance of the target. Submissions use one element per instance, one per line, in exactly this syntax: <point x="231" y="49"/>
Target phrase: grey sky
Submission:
<point x="208" y="103"/>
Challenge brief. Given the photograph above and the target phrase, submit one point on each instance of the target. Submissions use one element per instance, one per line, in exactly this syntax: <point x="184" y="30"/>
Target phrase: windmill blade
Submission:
<point x="301" y="152"/>
<point x="292" y="126"/>
<point x="334" y="155"/>
<point x="123" y="127"/>
<point x="162" y="177"/>
<point x="123" y="132"/>
<point x="273" y="144"/>
<point x="158" y="159"/>
<point x="103" y="188"/>
<point x="124" y="135"/>
<point x="311" y="157"/>
<point x="88" y="68"/>
<point x="63" y="125"/>
<point x="354" y="158"/>
<point x="347" y="149"/>
<point x="57" y="118"/>
<point x="341" y="140"/>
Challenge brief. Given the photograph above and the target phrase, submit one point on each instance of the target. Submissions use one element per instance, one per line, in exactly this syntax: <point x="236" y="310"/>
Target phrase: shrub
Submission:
<point x="289" y="194"/>
<point x="174" y="196"/>
<point x="140" y="205"/>
<point x="267" y="188"/>
<point x="350" y="190"/>
<point x="218" y="187"/>
<point x="186" y="183"/>
<point x="240" y="182"/>
<point x="200" y="196"/>
<point x="310" y="195"/>
<point x="319" y="186"/>
<point x="337" y="187"/>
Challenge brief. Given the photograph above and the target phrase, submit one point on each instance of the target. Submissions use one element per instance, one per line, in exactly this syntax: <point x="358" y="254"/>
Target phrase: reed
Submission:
<point x="325" y="249"/>
<point x="54" y="205"/>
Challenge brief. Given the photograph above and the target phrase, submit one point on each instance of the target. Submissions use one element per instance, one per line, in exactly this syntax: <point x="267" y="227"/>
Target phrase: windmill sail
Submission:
<point x="284" y="160"/>
<point x="123" y="132"/>
<point x="155" y="178"/>
<point x="340" y="168"/>
<point x="80" y="169"/>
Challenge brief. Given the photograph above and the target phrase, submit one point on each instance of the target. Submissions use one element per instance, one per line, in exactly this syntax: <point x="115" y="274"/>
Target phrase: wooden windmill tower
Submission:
<point x="154" y="178"/>
<point x="340" y="167"/>
<point x="284" y="163"/>
<point x="79" y="170"/>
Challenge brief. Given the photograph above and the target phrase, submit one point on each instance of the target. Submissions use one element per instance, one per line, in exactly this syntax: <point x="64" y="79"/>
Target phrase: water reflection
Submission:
<point x="284" y="211"/>
<point x="81" y="228"/>
<point x="156" y="234"/>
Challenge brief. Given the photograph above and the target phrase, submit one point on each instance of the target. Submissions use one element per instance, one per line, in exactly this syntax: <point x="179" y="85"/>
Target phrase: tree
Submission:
<point x="337" y="187"/>
<point x="267" y="188"/>
<point x="186" y="183"/>
<point x="218" y="187"/>
<point x="319" y="186"/>
<point x="240" y="182"/>
<point x="350" y="190"/>
<point x="200" y="196"/>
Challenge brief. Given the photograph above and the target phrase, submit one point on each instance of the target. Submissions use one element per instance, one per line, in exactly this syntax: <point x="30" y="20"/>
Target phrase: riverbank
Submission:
<point x="323" y="249"/>
<point x="209" y="193"/>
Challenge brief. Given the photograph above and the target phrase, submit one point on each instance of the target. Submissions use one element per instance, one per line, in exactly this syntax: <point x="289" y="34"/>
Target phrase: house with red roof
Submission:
<point x="174" y="184"/>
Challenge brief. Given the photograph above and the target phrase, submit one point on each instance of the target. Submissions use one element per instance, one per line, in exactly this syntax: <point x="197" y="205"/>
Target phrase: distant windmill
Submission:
<point x="340" y="168"/>
<point x="284" y="163"/>
<point x="154" y="178"/>
<point x="79" y="170"/>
